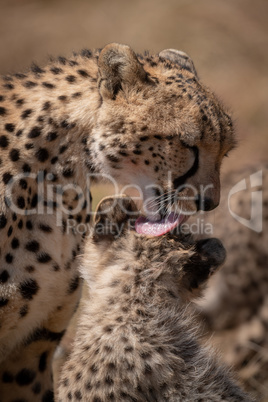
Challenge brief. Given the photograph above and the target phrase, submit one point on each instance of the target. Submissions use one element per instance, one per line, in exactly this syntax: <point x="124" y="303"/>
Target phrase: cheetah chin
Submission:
<point x="157" y="228"/>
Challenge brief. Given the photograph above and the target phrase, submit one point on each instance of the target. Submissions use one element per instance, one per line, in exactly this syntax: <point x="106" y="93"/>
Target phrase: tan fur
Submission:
<point x="109" y="112"/>
<point x="235" y="307"/>
<point x="136" y="338"/>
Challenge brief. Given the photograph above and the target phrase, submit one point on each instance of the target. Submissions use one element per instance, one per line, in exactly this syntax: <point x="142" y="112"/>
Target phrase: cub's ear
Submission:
<point x="114" y="215"/>
<point x="208" y="256"/>
<point x="180" y="58"/>
<point x="119" y="68"/>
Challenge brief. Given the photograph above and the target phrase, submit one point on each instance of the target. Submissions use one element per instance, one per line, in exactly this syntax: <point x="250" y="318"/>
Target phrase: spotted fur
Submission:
<point x="135" y="338"/>
<point x="102" y="112"/>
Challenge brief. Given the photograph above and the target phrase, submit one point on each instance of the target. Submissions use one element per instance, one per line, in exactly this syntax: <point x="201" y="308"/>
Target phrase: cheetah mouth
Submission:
<point x="157" y="228"/>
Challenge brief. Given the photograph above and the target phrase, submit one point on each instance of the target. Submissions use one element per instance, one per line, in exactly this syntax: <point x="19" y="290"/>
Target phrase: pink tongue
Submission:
<point x="158" y="228"/>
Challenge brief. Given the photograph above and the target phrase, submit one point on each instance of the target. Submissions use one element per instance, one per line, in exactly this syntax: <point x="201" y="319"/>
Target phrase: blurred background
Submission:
<point x="228" y="41"/>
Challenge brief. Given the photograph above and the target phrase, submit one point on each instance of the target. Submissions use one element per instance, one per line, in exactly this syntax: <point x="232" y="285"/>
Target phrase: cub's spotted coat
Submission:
<point x="135" y="338"/>
<point x="98" y="113"/>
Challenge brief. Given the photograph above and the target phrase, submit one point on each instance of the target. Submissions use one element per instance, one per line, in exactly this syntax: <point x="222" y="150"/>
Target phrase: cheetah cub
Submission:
<point x="136" y="340"/>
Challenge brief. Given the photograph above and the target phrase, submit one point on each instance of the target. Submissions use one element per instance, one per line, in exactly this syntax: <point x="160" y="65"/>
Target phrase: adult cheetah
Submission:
<point x="143" y="120"/>
<point x="135" y="338"/>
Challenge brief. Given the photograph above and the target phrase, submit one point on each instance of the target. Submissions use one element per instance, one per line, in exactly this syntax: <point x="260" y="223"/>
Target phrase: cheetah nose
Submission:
<point x="205" y="204"/>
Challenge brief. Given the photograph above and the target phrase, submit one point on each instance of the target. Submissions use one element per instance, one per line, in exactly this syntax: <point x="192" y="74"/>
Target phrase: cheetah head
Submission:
<point x="180" y="262"/>
<point x="160" y="130"/>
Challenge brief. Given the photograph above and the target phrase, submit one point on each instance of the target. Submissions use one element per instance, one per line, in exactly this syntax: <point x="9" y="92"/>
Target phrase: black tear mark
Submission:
<point x="179" y="181"/>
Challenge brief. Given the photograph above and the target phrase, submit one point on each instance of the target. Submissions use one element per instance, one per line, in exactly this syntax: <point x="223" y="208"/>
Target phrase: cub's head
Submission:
<point x="159" y="129"/>
<point x="117" y="254"/>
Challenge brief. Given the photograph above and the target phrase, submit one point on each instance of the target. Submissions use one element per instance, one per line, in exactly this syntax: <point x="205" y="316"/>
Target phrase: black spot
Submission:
<point x="2" y="111"/>
<point x="20" y="224"/>
<point x="51" y="136"/>
<point x="2" y="98"/>
<point x="40" y="119"/>
<point x="62" y="97"/>
<point x="7" y="377"/>
<point x="26" y="113"/>
<point x="83" y="73"/>
<point x="9" y="86"/>
<point x="45" y="228"/>
<point x="112" y="158"/>
<point x="34" y="201"/>
<point x="3" y="302"/>
<point x="78" y="376"/>
<point x="54" y="160"/>
<point x="29" y="268"/>
<point x="48" y="85"/>
<point x="7" y="177"/>
<point x="4" y="141"/>
<point x="3" y="221"/>
<point x="129" y="349"/>
<point x="21" y="202"/>
<point x="14" y="155"/>
<point x="69" y="396"/>
<point x="43" y="258"/>
<point x="32" y="246"/>
<point x="28" y="289"/>
<point x="94" y="368"/>
<point x="43" y="362"/>
<point x="30" y="84"/>
<point x="67" y="172"/>
<point x="42" y="154"/>
<point x="144" y="138"/>
<point x="76" y="95"/>
<point x="20" y="102"/>
<point x="71" y="78"/>
<point x="10" y="231"/>
<point x="48" y="396"/>
<point x="73" y="285"/>
<point x="64" y="124"/>
<point x="36" y="388"/>
<point x="46" y="105"/>
<point x="9" y="258"/>
<point x="24" y="310"/>
<point x="86" y="53"/>
<point x="23" y="184"/>
<point x="36" y="69"/>
<point x="26" y="168"/>
<point x="15" y="243"/>
<point x="73" y="63"/>
<point x="4" y="276"/>
<point x="14" y="217"/>
<point x="29" y="145"/>
<point x="29" y="225"/>
<point x="35" y="132"/>
<point x="146" y="162"/>
<point x="25" y="377"/>
<point x="62" y="60"/>
<point x="63" y="149"/>
<point x="56" y="70"/>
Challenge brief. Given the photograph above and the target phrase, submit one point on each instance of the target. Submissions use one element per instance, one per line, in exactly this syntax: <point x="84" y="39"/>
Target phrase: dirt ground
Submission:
<point x="228" y="40"/>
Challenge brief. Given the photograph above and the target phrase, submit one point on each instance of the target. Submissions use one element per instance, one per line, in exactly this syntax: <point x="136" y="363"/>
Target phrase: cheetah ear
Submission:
<point x="209" y="255"/>
<point x="180" y="58"/>
<point x="114" y="215"/>
<point x="119" y="68"/>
